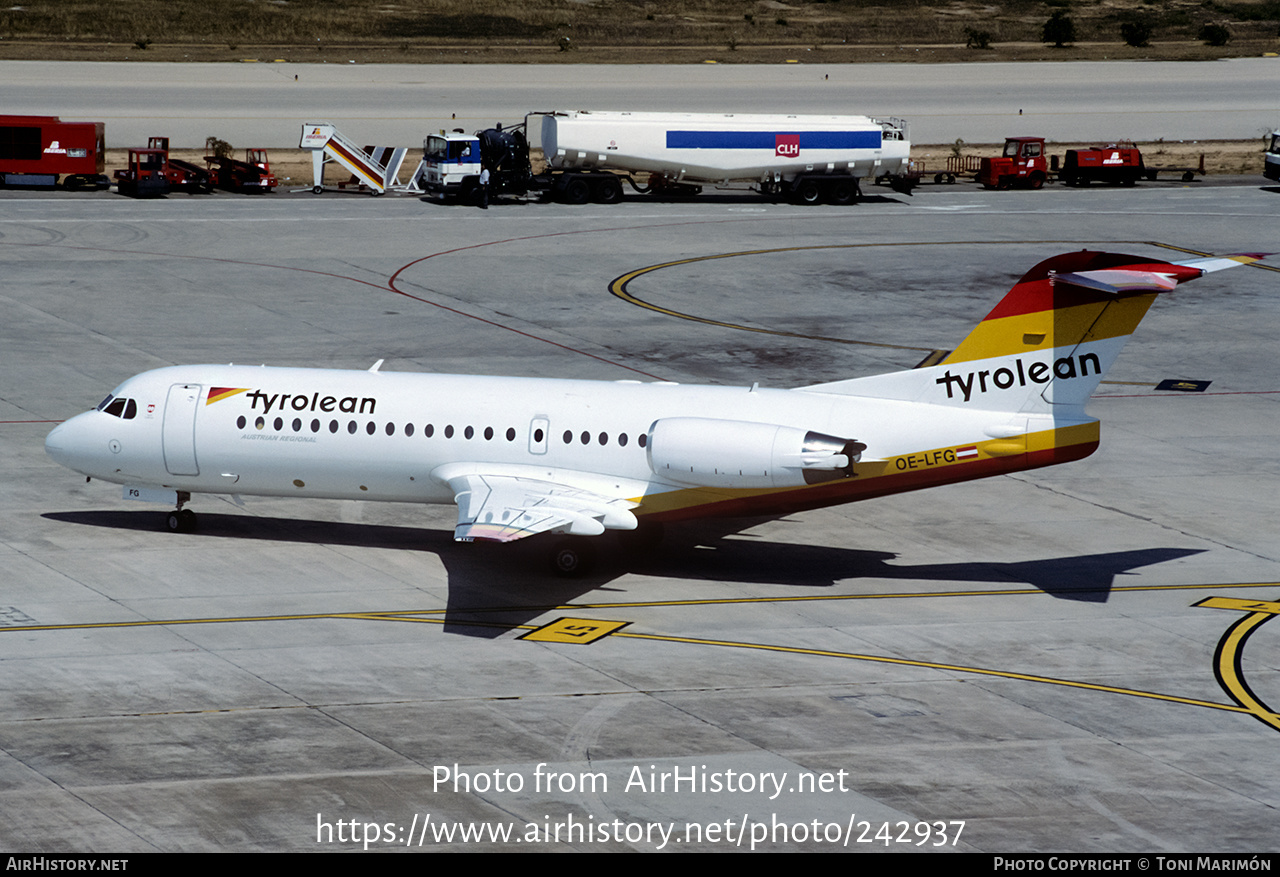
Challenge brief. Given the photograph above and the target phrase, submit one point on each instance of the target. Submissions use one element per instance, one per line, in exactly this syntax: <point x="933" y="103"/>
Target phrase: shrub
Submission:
<point x="1059" y="30"/>
<point x="1215" y="35"/>
<point x="1136" y="33"/>
<point x="977" y="39"/>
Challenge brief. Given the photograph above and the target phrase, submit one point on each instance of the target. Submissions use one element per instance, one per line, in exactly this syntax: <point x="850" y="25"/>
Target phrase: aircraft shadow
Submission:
<point x="495" y="588"/>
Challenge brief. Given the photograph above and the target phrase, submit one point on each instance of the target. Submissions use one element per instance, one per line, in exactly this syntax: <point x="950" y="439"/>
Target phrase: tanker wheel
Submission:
<point x="572" y="558"/>
<point x="843" y="192"/>
<point x="317" y="190"/>
<point x="809" y="192"/>
<point x="576" y="192"/>
<point x="608" y="190"/>
<point x="1036" y="181"/>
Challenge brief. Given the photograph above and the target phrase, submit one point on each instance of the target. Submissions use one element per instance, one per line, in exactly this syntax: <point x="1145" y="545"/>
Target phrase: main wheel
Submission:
<point x="317" y="190"/>
<point x="572" y="558"/>
<point x="809" y="192"/>
<point x="843" y="192"/>
<point x="608" y="190"/>
<point x="577" y="192"/>
<point x="1036" y="181"/>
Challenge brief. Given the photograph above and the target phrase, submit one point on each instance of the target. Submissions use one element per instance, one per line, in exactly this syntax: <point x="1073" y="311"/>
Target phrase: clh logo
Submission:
<point x="787" y="145"/>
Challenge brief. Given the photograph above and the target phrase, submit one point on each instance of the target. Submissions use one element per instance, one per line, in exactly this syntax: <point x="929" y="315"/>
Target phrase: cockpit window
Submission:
<point x="105" y="402"/>
<point x="116" y="407"/>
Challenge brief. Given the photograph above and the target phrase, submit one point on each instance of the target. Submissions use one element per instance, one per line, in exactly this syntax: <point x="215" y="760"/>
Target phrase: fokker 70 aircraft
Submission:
<point x="522" y="456"/>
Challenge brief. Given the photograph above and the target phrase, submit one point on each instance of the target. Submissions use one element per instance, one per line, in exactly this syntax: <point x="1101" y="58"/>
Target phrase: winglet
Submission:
<point x="377" y="365"/>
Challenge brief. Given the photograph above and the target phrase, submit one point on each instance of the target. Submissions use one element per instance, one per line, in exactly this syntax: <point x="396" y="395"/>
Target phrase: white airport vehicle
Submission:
<point x="1271" y="160"/>
<point x="523" y="456"/>
<point x="807" y="159"/>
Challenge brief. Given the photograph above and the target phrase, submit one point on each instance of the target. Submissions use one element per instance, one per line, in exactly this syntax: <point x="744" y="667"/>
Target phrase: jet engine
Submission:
<point x="732" y="453"/>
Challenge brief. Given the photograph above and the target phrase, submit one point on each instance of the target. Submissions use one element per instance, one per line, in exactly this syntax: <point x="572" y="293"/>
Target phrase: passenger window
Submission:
<point x="371" y="427"/>
<point x="622" y="439"/>
<point x="604" y="438"/>
<point x="279" y="424"/>
<point x="408" y="429"/>
<point x="511" y="434"/>
<point x="586" y="437"/>
<point x="642" y="440"/>
<point x="351" y="427"/>
<point x="448" y="431"/>
<point x="391" y="429"/>
<point x="568" y="436"/>
<point x="260" y="423"/>
<point x="468" y="432"/>
<point x="315" y="426"/>
<point x="333" y="426"/>
<point x="488" y="433"/>
<point x="297" y="424"/>
<point x="240" y="422"/>
<point x="429" y="431"/>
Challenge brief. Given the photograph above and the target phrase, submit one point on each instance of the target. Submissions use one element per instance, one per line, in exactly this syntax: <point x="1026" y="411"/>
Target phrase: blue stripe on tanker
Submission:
<point x="769" y="139"/>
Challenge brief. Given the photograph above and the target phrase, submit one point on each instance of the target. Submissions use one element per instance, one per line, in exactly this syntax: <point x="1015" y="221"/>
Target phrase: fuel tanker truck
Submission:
<point x="589" y="155"/>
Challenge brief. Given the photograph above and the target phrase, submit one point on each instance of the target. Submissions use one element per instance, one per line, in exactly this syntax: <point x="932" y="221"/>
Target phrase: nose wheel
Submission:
<point x="181" y="520"/>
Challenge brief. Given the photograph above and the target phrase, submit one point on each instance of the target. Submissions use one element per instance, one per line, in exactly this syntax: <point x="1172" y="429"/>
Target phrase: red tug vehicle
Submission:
<point x="145" y="175"/>
<point x="1022" y="164"/>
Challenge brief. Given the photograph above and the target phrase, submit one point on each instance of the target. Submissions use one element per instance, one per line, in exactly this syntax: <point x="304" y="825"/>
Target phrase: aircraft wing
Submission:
<point x="503" y="508"/>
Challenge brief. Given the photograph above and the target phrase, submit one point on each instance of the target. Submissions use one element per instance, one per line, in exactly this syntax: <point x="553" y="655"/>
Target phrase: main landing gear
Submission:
<point x="576" y="556"/>
<point x="181" y="520"/>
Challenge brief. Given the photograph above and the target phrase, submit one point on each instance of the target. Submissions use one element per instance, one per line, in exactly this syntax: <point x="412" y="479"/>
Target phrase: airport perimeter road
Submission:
<point x="265" y="104"/>
<point x="1076" y="658"/>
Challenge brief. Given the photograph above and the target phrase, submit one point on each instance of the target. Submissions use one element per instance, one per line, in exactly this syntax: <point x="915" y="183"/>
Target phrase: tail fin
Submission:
<point x="1046" y="346"/>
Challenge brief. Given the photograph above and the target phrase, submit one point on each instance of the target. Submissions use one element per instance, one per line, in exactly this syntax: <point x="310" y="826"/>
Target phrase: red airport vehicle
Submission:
<point x="182" y="175"/>
<point x="251" y="175"/>
<point x="1022" y="164"/>
<point x="37" y="150"/>
<point x="1118" y="164"/>
<point x="144" y="177"/>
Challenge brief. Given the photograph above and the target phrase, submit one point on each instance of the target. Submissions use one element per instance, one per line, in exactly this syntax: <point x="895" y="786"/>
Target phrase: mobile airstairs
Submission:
<point x="376" y="168"/>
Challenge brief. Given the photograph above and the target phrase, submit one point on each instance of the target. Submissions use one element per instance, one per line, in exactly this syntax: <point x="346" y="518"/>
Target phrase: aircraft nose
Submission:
<point x="64" y="444"/>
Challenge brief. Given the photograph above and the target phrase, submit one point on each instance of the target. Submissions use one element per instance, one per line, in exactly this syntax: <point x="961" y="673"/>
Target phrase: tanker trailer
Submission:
<point x="808" y="159"/>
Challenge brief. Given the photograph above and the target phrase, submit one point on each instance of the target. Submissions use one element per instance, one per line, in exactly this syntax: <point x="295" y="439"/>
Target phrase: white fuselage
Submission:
<point x="323" y="433"/>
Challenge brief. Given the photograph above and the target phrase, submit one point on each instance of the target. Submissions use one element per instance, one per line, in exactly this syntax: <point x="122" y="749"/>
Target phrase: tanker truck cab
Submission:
<point x="449" y="160"/>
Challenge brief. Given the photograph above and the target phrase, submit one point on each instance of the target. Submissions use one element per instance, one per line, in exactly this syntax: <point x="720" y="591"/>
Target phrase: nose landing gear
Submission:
<point x="181" y="520"/>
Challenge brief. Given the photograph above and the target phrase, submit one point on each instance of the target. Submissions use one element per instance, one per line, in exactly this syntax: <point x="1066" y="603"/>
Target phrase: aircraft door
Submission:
<point x="539" y="430"/>
<point x="179" y="431"/>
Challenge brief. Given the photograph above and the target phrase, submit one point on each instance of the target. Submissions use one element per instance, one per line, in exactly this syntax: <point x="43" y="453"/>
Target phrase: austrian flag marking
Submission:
<point x="967" y="453"/>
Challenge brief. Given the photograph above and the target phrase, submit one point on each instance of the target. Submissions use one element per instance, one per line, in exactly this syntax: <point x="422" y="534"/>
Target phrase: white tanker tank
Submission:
<point x="590" y="154"/>
<point x="811" y="158"/>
